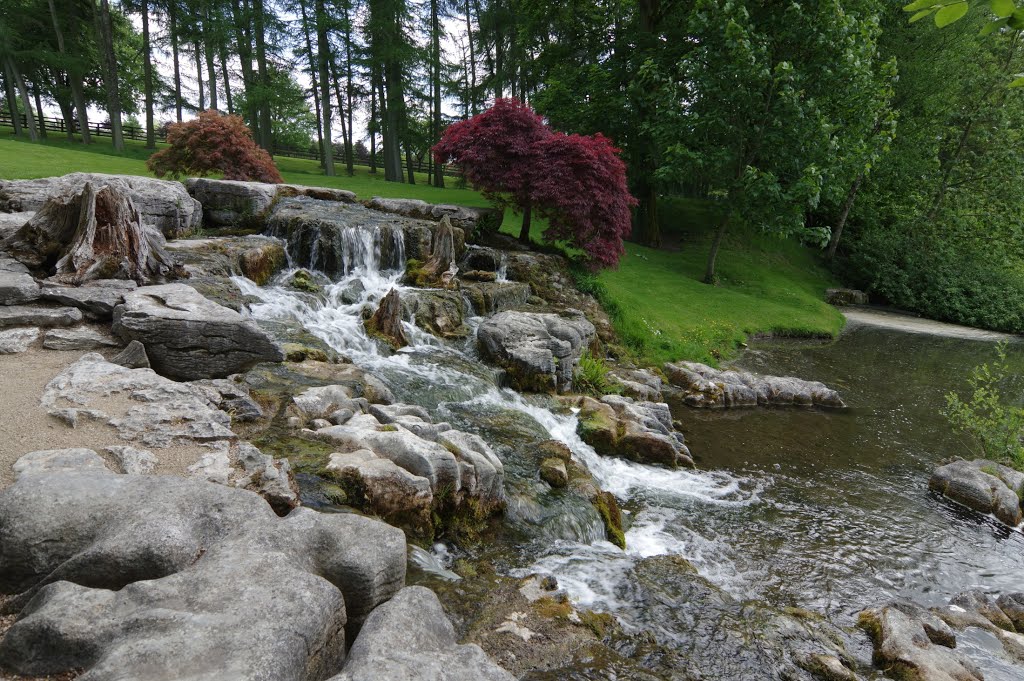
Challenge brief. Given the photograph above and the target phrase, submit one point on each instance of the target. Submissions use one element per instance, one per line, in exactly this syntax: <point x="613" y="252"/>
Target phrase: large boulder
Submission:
<point x="635" y="430"/>
<point x="538" y="350"/>
<point x="233" y="202"/>
<point x="703" y="386"/>
<point x="492" y="297"/>
<point x="129" y="576"/>
<point x="467" y="219"/>
<point x="188" y="337"/>
<point x="165" y="205"/>
<point x="912" y="643"/>
<point x="409" y="638"/>
<point x="436" y="311"/>
<point x="982" y="485"/>
<point x="335" y="238"/>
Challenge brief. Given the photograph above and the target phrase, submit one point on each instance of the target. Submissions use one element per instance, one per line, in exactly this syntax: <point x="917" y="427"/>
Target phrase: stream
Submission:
<point x="824" y="510"/>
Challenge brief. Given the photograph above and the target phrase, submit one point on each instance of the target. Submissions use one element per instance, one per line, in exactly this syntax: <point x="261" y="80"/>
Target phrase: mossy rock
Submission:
<point x="260" y="264"/>
<point x="304" y="281"/>
<point x="598" y="431"/>
<point x="297" y="352"/>
<point x="553" y="472"/>
<point x="608" y="508"/>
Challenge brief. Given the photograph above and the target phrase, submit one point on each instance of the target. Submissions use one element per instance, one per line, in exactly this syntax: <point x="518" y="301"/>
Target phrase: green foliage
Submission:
<point x="994" y="428"/>
<point x="292" y="120"/>
<point x="592" y="376"/>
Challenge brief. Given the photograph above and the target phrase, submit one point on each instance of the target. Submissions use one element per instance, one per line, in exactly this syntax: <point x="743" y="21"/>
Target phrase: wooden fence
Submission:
<point x="134" y="132"/>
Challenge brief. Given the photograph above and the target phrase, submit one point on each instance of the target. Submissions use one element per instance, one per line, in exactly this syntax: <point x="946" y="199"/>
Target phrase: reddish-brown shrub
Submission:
<point x="210" y="144"/>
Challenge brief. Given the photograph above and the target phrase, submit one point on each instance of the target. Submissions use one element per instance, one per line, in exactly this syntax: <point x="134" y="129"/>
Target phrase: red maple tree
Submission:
<point x="213" y="143"/>
<point x="577" y="182"/>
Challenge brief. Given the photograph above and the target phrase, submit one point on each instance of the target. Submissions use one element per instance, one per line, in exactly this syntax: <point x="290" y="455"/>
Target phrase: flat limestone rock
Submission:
<point x="133" y="461"/>
<point x="706" y="387"/>
<point x="57" y="460"/>
<point x="80" y="338"/>
<point x="162" y="203"/>
<point x="161" y="578"/>
<point x="31" y="315"/>
<point x="13" y="341"/>
<point x="411" y="639"/>
<point x="17" y="286"/>
<point x="97" y="298"/>
<point x="188" y="337"/>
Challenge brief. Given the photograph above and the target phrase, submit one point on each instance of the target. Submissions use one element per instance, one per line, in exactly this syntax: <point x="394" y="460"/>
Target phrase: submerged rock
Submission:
<point x="160" y="577"/>
<point x="539" y="351"/>
<point x="189" y="337"/>
<point x="703" y="386"/>
<point x="410" y="638"/>
<point x="162" y="203"/>
<point x="984" y="486"/>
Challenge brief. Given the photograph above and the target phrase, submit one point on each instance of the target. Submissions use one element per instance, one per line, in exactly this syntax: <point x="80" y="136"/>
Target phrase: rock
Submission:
<point x="639" y="431"/>
<point x="442" y="254"/>
<point x="212" y="467"/>
<point x="31" y="315"/>
<point x="381" y="487"/>
<point x="132" y="357"/>
<point x="270" y="478"/>
<point x="706" y="387"/>
<point x="978" y="602"/>
<point x="482" y="473"/>
<point x="161" y="203"/>
<point x="304" y="280"/>
<point x="260" y="263"/>
<point x="17" y="286"/>
<point x="982" y="485"/>
<point x="80" y="338"/>
<point x="386" y="322"/>
<point x="1012" y="606"/>
<point x="552" y="471"/>
<point x="162" y="577"/>
<point x="58" y="460"/>
<point x="912" y="643"/>
<point x="133" y="461"/>
<point x="469" y="220"/>
<point x="411" y="639"/>
<point x="436" y="311"/>
<point x="539" y="351"/>
<point x="189" y="337"/>
<point x="845" y="296"/>
<point x="233" y="202"/>
<point x="97" y="298"/>
<point x="639" y="384"/>
<point x="13" y="341"/>
<point x="490" y="298"/>
<point x="322" y="402"/>
<point x="479" y="275"/>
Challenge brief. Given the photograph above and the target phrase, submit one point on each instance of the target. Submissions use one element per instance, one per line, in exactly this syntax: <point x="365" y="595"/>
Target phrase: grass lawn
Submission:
<point x="660" y="307"/>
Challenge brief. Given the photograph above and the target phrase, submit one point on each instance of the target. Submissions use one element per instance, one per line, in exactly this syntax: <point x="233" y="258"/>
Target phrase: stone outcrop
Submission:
<point x="411" y="639"/>
<point x="17" y="287"/>
<point x="228" y="203"/>
<point x="492" y="297"/>
<point x="538" y="350"/>
<point x="467" y="219"/>
<point x="912" y="643"/>
<point x="984" y="486"/>
<point x="189" y="337"/>
<point x="639" y="384"/>
<point x="705" y="387"/>
<point x="436" y="311"/>
<point x="845" y="296"/>
<point x="161" y="203"/>
<point x="133" y="576"/>
<point x="639" y="431"/>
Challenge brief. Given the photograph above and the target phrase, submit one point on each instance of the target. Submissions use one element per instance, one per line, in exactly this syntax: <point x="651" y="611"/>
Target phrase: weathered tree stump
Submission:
<point x="386" y="322"/>
<point x="442" y="254"/>
<point x="93" y="234"/>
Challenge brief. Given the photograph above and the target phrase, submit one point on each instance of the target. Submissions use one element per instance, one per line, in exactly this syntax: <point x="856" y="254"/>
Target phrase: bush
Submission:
<point x="212" y="144"/>
<point x="592" y="376"/>
<point x="994" y="427"/>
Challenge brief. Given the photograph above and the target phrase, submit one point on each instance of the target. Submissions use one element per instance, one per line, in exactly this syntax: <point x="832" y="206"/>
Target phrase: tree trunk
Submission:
<point x="408" y="164"/>
<point x="147" y="71"/>
<point x="172" y="28"/>
<point x="39" y="111"/>
<point x="211" y="69"/>
<point x="851" y="195"/>
<point x="106" y="31"/>
<point x="266" y="137"/>
<point x="243" y="41"/>
<point x="315" y="86"/>
<point x="341" y="106"/>
<point x="709" y="273"/>
<point x="67" y="112"/>
<point x="435" y="30"/>
<point x="648" y="229"/>
<point x="349" y="152"/>
<point x="524" y="232"/>
<point x="12" y="99"/>
<point x="19" y="81"/>
<point x="227" y="79"/>
<point x="74" y="80"/>
<point x="373" y="127"/>
<point x="199" y="76"/>
<point x="472" y="61"/>
<point x="323" y="52"/>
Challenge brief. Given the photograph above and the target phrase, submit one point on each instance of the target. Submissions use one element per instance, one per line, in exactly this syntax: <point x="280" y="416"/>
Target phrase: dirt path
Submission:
<point x="902" y="322"/>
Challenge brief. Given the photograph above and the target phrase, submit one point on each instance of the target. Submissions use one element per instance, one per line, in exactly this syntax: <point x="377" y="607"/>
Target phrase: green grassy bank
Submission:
<point x="660" y="307"/>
